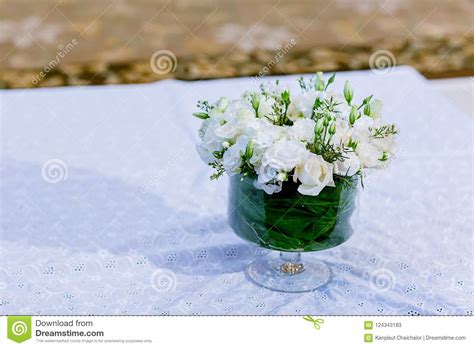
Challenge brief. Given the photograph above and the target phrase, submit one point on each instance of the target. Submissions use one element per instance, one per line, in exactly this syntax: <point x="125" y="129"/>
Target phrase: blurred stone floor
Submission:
<point x="81" y="42"/>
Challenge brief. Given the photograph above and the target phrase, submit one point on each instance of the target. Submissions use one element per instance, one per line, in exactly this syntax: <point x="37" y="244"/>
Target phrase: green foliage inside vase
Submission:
<point x="290" y="221"/>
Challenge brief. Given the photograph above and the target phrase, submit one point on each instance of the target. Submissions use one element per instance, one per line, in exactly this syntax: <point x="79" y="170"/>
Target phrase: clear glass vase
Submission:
<point x="293" y="224"/>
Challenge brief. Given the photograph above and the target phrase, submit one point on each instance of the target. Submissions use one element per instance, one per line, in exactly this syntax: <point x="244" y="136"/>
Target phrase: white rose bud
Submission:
<point x="332" y="128"/>
<point x="232" y="158"/>
<point x="367" y="109"/>
<point x="348" y="92"/>
<point x="255" y="102"/>
<point x="319" y="126"/>
<point x="319" y="82"/>
<point x="353" y="116"/>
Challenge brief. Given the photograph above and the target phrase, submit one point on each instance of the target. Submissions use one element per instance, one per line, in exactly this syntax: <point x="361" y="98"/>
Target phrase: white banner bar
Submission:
<point x="239" y="331"/>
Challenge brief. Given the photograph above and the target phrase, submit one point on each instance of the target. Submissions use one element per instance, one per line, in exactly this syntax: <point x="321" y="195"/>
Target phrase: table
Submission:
<point x="107" y="209"/>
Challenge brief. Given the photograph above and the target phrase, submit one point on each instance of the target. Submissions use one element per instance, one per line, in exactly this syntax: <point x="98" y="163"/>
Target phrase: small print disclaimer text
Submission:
<point x="49" y="331"/>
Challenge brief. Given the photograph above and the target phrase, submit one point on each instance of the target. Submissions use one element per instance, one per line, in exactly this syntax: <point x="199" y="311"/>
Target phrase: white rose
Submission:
<point x="369" y="155"/>
<point x="301" y="105"/>
<point x="344" y="111"/>
<point x="210" y="140"/>
<point x="264" y="132"/>
<point x="265" y="107"/>
<point x="228" y="131"/>
<point x="219" y="108"/>
<point x="284" y="155"/>
<point x="269" y="188"/>
<point x="387" y="143"/>
<point x="206" y="156"/>
<point x="349" y="166"/>
<point x="343" y="132"/>
<point x="235" y="121"/>
<point x="263" y="135"/>
<point x="268" y="179"/>
<point x="364" y="123"/>
<point x="232" y="158"/>
<point x="238" y="104"/>
<point x="232" y="111"/>
<point x="245" y="115"/>
<point x="203" y="128"/>
<point x="302" y="130"/>
<point x="266" y="174"/>
<point x="280" y="158"/>
<point x="372" y="152"/>
<point x="314" y="174"/>
<point x="360" y="132"/>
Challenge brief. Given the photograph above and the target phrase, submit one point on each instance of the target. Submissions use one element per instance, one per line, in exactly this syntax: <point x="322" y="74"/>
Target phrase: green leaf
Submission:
<point x="365" y="102"/>
<point x="331" y="80"/>
<point x="201" y="115"/>
<point x="289" y="220"/>
<point x="367" y="99"/>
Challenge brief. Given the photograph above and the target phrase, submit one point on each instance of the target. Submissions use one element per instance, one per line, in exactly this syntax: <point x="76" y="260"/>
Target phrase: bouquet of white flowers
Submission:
<point x="313" y="137"/>
<point x="294" y="161"/>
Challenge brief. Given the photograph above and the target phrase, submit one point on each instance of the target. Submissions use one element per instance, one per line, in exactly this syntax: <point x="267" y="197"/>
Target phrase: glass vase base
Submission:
<point x="273" y="274"/>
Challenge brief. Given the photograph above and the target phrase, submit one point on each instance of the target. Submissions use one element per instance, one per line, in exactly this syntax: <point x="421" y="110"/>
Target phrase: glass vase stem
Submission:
<point x="290" y="263"/>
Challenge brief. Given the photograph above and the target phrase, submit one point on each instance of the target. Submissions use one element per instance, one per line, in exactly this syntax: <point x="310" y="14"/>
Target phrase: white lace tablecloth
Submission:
<point x="107" y="209"/>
